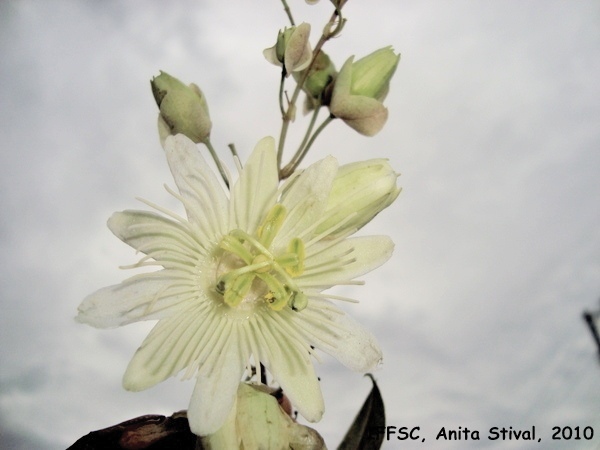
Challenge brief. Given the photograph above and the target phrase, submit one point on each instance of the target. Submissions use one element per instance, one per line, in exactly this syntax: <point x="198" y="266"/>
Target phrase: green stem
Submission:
<point x="292" y="103"/>
<point x="299" y="156"/>
<point x="288" y="11"/>
<point x="311" y="125"/>
<point x="216" y="159"/>
<point x="281" y="91"/>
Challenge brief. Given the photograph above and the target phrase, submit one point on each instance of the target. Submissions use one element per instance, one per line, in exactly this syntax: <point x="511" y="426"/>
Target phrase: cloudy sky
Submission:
<point x="494" y="126"/>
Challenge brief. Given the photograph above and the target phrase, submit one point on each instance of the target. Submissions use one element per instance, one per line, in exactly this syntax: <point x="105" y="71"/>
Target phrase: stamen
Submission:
<point x="233" y="245"/>
<point x="244" y="270"/>
<point x="260" y="259"/>
<point x="271" y="225"/>
<point x="296" y="247"/>
<point x="298" y="301"/>
<point x="238" y="289"/>
<point x="242" y="235"/>
<point x="278" y="294"/>
<point x="287" y="259"/>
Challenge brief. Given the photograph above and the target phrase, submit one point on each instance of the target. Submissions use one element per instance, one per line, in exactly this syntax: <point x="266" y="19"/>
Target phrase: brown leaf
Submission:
<point x="151" y="432"/>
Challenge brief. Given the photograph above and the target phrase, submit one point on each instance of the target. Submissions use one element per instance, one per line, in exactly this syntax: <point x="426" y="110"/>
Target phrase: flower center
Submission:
<point x="253" y="267"/>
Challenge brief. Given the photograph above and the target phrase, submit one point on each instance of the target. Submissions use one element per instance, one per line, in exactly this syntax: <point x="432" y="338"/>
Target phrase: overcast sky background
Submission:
<point x="494" y="125"/>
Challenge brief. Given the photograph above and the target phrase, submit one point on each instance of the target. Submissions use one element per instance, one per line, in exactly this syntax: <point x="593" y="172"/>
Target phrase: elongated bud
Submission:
<point x="257" y="421"/>
<point x="367" y="187"/>
<point x="361" y="87"/>
<point x="292" y="49"/>
<point x="183" y="109"/>
<point x="371" y="75"/>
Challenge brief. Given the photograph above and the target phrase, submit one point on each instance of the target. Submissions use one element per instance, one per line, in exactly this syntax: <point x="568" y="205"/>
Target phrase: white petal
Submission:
<point x="335" y="332"/>
<point x="143" y="297"/>
<point x="305" y="198"/>
<point x="343" y="83"/>
<point x="270" y="55"/>
<point x="256" y="189"/>
<point x="194" y="337"/>
<point x="366" y="115"/>
<point x="294" y="371"/>
<point x="165" y="351"/>
<point x="327" y="265"/>
<point x="205" y="200"/>
<point x="216" y="389"/>
<point x="154" y="234"/>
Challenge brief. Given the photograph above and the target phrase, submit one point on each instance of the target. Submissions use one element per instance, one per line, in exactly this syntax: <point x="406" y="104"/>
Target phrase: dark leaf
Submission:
<point x="368" y="428"/>
<point x="150" y="432"/>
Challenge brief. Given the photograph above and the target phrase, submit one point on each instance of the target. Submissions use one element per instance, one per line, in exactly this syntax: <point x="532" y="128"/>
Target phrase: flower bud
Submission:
<point x="360" y="88"/>
<point x="183" y="109"/>
<point x="258" y="421"/>
<point x="292" y="49"/>
<point x="367" y="187"/>
<point x="320" y="76"/>
<point x="371" y="75"/>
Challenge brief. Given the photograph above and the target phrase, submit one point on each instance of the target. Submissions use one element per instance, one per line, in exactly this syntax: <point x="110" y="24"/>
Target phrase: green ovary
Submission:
<point x="253" y="267"/>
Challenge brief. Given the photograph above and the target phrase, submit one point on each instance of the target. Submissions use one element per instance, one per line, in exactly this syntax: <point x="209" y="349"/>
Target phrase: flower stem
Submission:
<point x="216" y="159"/>
<point x="299" y="156"/>
<point x="288" y="11"/>
<point x="287" y="116"/>
<point x="309" y="130"/>
<point x="311" y="125"/>
<point x="281" y="91"/>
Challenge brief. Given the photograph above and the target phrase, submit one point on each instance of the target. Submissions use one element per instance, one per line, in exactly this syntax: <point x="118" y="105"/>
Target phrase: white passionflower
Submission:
<point x="241" y="283"/>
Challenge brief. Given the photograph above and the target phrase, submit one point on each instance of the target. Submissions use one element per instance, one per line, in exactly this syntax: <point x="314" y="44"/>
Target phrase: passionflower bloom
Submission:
<point x="241" y="282"/>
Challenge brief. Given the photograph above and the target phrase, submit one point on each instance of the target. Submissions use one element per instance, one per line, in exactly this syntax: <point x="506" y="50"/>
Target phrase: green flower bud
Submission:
<point x="257" y="421"/>
<point x="320" y="76"/>
<point x="367" y="187"/>
<point x="371" y="75"/>
<point x="292" y="49"/>
<point x="183" y="109"/>
<point x="361" y="87"/>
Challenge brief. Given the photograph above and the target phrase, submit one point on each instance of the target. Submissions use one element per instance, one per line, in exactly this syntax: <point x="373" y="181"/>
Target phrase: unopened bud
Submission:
<point x="292" y="49"/>
<point x="371" y="75"/>
<point x="320" y="76"/>
<point x="257" y="421"/>
<point x="361" y="189"/>
<point x="360" y="88"/>
<point x="183" y="109"/>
